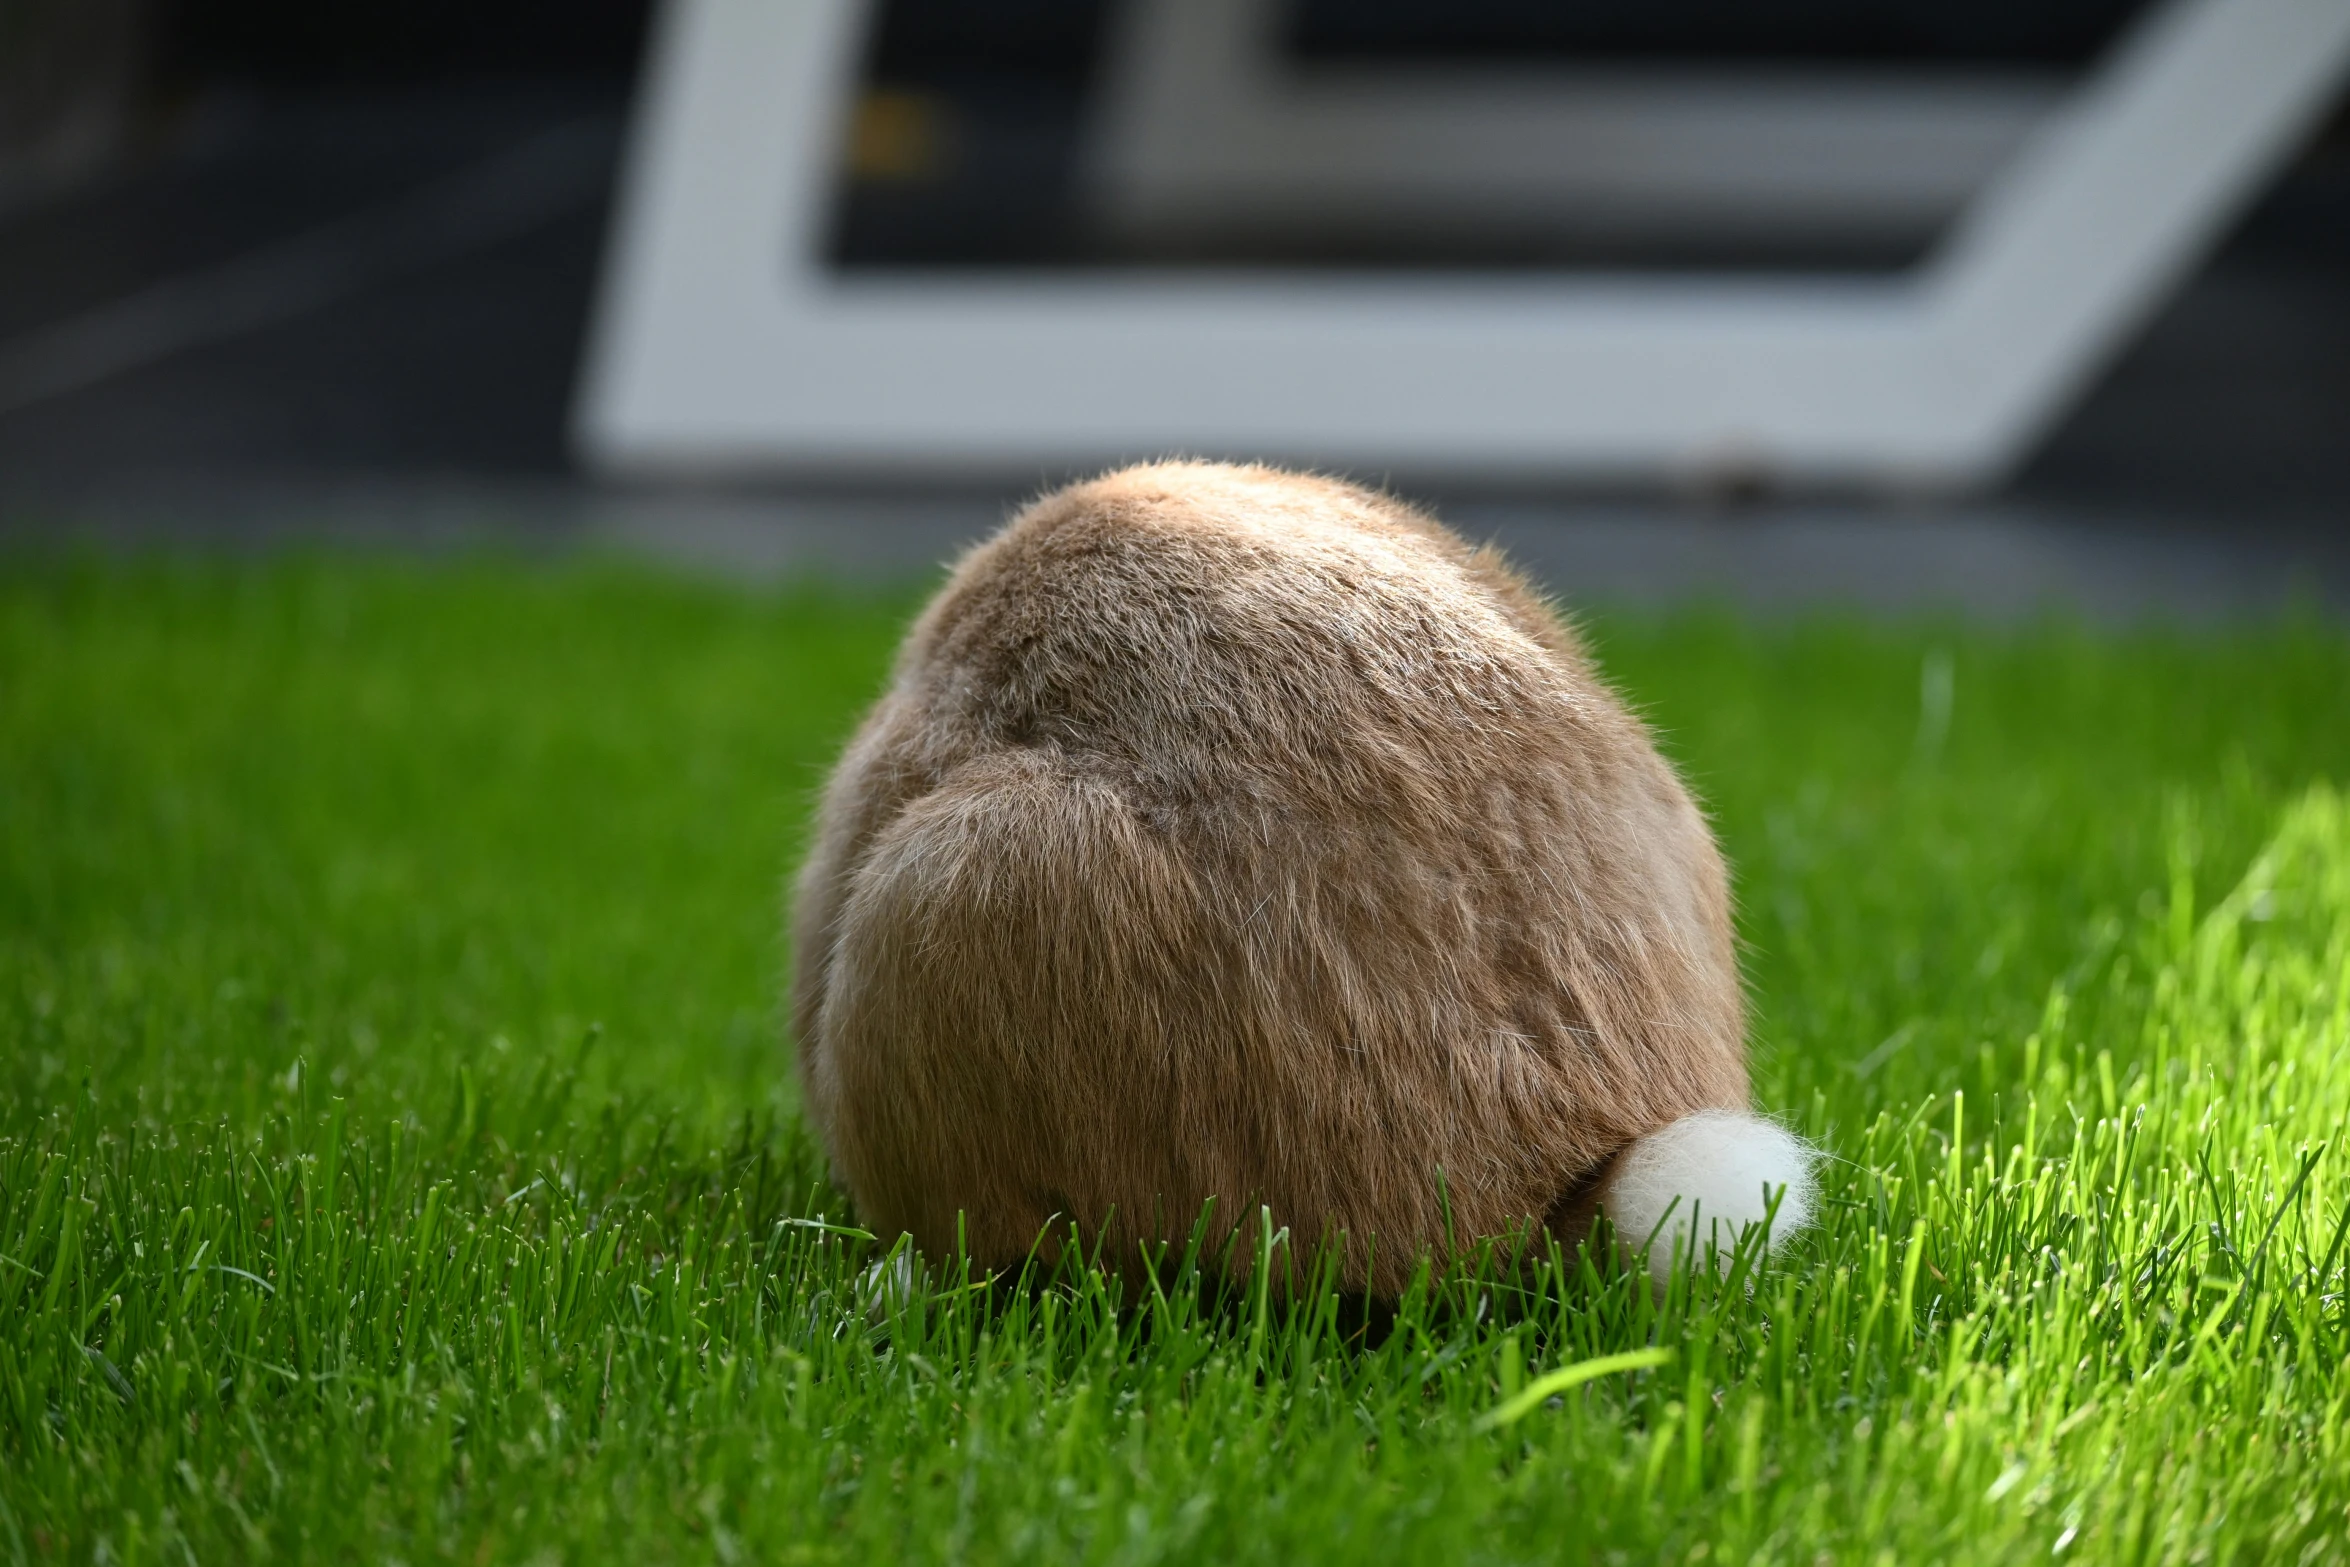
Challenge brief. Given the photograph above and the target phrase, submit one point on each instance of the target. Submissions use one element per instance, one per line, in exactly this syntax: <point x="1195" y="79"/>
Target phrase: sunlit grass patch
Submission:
<point x="398" y="1158"/>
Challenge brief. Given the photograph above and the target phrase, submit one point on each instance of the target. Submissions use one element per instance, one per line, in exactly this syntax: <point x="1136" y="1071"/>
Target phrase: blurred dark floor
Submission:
<point x="324" y="317"/>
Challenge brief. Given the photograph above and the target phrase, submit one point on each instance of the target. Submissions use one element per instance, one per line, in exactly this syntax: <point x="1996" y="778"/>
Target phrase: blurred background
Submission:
<point x="272" y="270"/>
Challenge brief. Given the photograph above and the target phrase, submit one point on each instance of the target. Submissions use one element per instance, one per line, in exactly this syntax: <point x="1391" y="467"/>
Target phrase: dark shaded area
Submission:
<point x="463" y="366"/>
<point x="306" y="43"/>
<point x="996" y="93"/>
<point x="998" y="189"/>
<point x="246" y="170"/>
<point x="2233" y="404"/>
<point x="2047" y="33"/>
<point x="963" y="227"/>
<point x="917" y="39"/>
<point x="996" y="185"/>
<point x="1061" y="36"/>
<point x="992" y="95"/>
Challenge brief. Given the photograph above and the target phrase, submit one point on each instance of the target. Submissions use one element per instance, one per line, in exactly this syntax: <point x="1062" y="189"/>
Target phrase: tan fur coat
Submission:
<point x="1230" y="833"/>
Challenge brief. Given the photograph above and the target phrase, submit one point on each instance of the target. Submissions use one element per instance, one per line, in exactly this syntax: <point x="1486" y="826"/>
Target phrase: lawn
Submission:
<point x="398" y="1156"/>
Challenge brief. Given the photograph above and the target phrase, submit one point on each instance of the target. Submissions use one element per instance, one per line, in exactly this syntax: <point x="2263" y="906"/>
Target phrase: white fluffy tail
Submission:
<point x="1718" y="1170"/>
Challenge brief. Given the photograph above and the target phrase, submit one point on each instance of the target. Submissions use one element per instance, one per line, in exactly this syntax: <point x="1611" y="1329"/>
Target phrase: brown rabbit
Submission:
<point x="1228" y="833"/>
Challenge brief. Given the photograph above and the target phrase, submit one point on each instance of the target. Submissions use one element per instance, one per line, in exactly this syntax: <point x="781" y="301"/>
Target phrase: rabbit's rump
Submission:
<point x="1231" y="834"/>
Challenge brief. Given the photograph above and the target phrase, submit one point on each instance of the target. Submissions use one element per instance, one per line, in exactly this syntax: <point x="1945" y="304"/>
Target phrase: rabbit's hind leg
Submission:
<point x="1010" y="965"/>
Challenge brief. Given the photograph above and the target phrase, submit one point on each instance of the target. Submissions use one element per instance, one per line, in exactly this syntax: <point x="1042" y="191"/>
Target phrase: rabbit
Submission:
<point x="1229" y="833"/>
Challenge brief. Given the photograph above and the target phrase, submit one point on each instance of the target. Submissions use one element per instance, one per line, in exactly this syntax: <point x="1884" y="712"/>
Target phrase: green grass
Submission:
<point x="398" y="1159"/>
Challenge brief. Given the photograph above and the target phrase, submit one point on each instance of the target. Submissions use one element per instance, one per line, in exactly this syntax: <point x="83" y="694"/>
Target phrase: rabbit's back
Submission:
<point x="1232" y="834"/>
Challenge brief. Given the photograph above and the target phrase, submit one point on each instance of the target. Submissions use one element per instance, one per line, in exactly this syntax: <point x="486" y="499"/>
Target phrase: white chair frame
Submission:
<point x="726" y="346"/>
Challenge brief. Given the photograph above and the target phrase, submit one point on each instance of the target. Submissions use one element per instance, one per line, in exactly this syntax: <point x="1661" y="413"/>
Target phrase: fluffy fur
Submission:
<point x="1232" y="834"/>
<point x="1699" y="1183"/>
